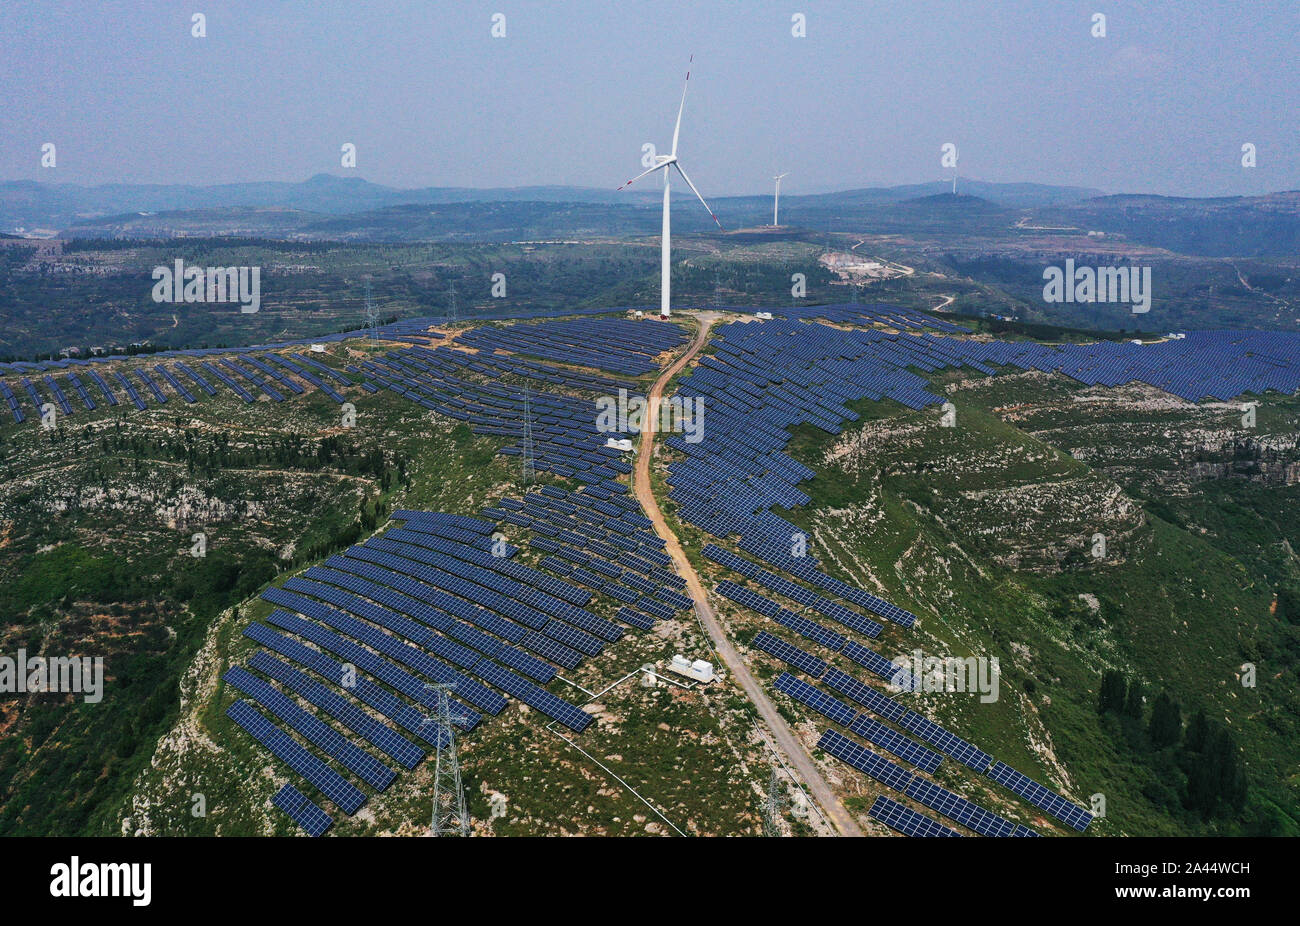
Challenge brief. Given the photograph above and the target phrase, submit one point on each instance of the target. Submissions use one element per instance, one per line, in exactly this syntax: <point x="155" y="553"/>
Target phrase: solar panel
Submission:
<point x="870" y="659"/>
<point x="908" y="719"/>
<point x="635" y="618"/>
<point x="538" y="698"/>
<point x="864" y="760"/>
<point x="786" y="652"/>
<point x="813" y="697"/>
<point x="341" y="709"/>
<point x="875" y="732"/>
<point x="405" y="716"/>
<point x="905" y="820"/>
<point x="329" y="782"/>
<point x="919" y="789"/>
<point x="315" y="731"/>
<point x="957" y="808"/>
<point x="388" y="672"/>
<point x="1042" y="798"/>
<point x="302" y="811"/>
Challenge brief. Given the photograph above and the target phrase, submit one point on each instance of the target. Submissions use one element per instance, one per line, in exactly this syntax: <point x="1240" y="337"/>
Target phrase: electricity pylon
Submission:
<point x="372" y="315"/>
<point x="449" y="815"/>
<point x="529" y="465"/>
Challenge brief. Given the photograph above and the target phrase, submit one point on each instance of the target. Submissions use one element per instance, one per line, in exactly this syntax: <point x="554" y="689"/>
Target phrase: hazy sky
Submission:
<point x="1162" y="104"/>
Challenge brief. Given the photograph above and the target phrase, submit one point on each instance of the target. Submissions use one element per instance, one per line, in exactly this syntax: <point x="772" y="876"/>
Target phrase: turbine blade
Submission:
<point x="678" y="128"/>
<point x="697" y="194"/>
<point x="642" y="174"/>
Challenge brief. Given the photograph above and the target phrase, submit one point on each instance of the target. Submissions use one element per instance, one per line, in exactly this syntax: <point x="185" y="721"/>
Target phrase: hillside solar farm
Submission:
<point x="571" y="429"/>
<point x="542" y="586"/>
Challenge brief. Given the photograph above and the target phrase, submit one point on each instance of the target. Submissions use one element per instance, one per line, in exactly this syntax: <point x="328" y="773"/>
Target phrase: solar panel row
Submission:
<point x="302" y="811"/>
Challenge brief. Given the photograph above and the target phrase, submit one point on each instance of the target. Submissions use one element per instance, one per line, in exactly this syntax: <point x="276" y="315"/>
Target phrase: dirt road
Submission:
<point x="781" y="732"/>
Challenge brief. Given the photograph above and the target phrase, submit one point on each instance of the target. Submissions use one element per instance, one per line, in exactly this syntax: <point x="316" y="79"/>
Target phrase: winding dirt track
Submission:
<point x="781" y="732"/>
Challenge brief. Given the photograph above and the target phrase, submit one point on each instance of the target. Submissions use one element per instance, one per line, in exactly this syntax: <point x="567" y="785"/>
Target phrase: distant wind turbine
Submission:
<point x="776" y="198"/>
<point x="666" y="163"/>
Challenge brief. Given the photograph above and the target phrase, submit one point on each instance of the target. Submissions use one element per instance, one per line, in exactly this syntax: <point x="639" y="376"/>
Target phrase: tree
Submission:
<point x="1113" y="689"/>
<point x="1166" y="725"/>
<point x="1133" y="702"/>
<point x="1217" y="777"/>
<point x="1197" y="732"/>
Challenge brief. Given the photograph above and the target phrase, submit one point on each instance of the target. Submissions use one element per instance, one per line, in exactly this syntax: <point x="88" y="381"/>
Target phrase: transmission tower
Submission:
<point x="372" y="316"/>
<point x="529" y="465"/>
<point x="453" y="311"/>
<point x="449" y="815"/>
<point x="775" y="801"/>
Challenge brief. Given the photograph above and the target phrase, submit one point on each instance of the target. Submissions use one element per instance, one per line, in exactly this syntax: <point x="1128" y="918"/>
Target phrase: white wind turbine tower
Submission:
<point x="666" y="163"/>
<point x="776" y="197"/>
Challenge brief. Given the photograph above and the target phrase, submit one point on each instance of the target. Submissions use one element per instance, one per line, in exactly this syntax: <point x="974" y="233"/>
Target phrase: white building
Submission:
<point x="700" y="670"/>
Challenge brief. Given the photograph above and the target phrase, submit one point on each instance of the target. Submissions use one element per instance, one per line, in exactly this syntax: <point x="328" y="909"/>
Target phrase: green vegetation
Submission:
<point x="984" y="530"/>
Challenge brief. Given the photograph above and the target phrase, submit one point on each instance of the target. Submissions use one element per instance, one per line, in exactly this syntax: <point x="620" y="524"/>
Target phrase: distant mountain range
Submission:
<point x="29" y="205"/>
<point x="328" y="207"/>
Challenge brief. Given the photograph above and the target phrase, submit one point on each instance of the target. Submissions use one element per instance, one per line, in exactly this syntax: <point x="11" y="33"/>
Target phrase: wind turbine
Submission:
<point x="666" y="163"/>
<point x="776" y="198"/>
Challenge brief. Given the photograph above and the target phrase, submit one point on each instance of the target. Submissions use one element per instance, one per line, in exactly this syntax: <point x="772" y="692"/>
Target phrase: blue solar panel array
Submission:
<point x="358" y="721"/>
<point x="816" y="632"/>
<point x="786" y="652"/>
<point x="863" y="726"/>
<point x="315" y="731"/>
<point x="953" y="806"/>
<point x="329" y="782"/>
<point x="302" y="811"/>
<point x="905" y="820"/>
<point x="357" y="685"/>
<point x="1041" y="797"/>
<point x="469" y="387"/>
<point x="922" y="727"/>
<point x="609" y="343"/>
<point x="384" y="608"/>
<point x="127" y="377"/>
<point x="794" y="591"/>
<point x="596" y="538"/>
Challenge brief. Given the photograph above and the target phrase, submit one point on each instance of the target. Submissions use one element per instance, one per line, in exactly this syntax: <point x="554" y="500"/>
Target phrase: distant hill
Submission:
<point x="1234" y="226"/>
<point x="334" y="208"/>
<point x="1010" y="195"/>
<point x="28" y="204"/>
<point x="58" y="205"/>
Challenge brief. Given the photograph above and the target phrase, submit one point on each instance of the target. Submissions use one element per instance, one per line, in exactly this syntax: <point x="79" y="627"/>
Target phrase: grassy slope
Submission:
<point x="1176" y="610"/>
<point x="690" y="753"/>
